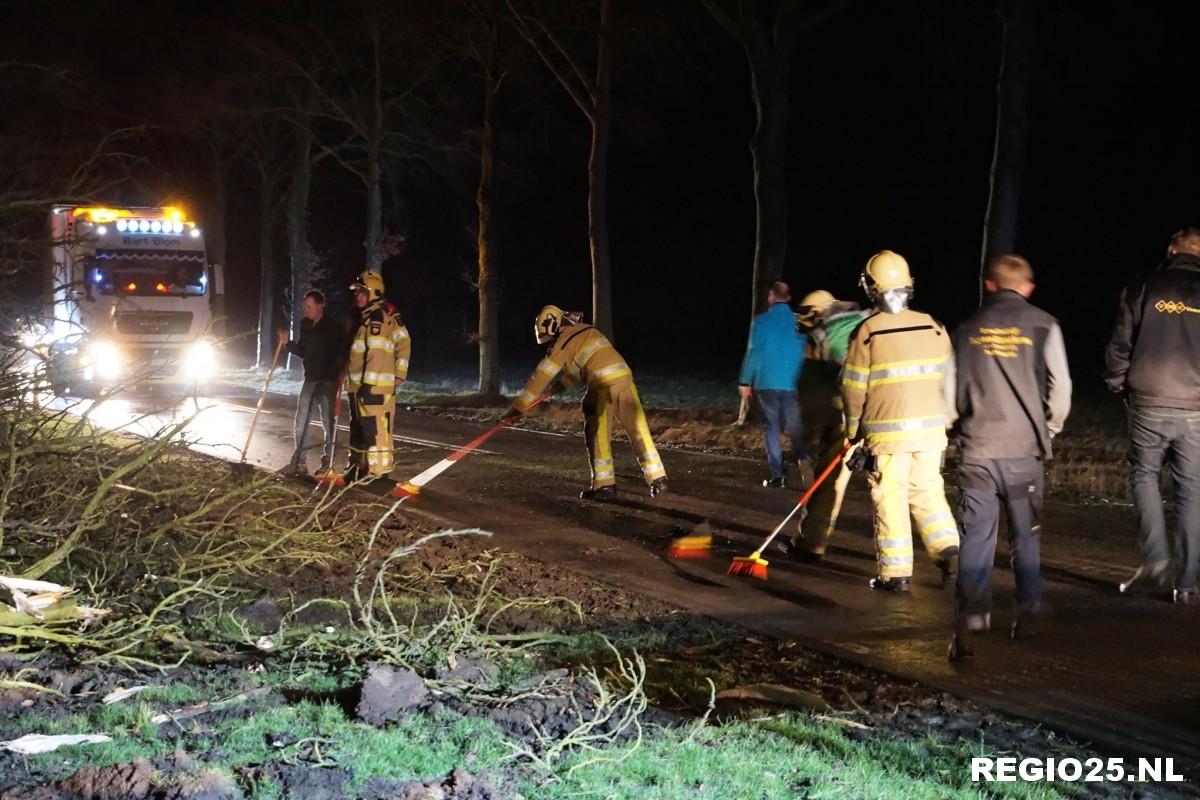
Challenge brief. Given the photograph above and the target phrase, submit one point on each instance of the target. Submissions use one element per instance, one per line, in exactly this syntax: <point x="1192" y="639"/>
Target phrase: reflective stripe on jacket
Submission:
<point x="898" y="383"/>
<point x="379" y="350"/>
<point x="581" y="353"/>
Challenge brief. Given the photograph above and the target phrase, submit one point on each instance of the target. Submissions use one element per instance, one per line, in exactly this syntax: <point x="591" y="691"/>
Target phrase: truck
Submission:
<point x="133" y="299"/>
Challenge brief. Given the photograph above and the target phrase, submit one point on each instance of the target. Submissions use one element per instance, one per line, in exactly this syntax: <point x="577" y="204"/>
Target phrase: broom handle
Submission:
<point x="261" y="399"/>
<point x="804" y="498"/>
<point x="447" y="462"/>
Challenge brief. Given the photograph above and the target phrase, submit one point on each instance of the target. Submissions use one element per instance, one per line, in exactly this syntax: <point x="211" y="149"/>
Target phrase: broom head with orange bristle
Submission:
<point x="752" y="566"/>
<point x="406" y="490"/>
<point x="330" y="478"/>
<point x="690" y="547"/>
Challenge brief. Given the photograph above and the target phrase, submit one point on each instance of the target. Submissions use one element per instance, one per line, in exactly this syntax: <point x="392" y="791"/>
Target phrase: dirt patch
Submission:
<point x="387" y="693"/>
<point x="458" y="785"/>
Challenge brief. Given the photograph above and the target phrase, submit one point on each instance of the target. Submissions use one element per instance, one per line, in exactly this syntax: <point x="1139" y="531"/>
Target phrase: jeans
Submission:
<point x="1019" y="485"/>
<point x="781" y="411"/>
<point x="315" y="396"/>
<point x="1173" y="435"/>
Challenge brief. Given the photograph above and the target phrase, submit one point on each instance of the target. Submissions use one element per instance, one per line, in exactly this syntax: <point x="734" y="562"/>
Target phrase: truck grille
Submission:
<point x="154" y="323"/>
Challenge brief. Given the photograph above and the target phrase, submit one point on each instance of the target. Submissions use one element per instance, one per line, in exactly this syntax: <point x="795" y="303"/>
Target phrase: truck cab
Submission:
<point x="133" y="299"/>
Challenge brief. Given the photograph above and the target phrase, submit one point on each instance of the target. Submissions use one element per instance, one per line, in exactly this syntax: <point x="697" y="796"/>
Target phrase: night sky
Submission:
<point x="891" y="136"/>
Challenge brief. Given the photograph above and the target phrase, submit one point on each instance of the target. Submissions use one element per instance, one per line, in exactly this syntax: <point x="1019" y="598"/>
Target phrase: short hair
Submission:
<point x="1187" y="241"/>
<point x="316" y="295"/>
<point x="781" y="291"/>
<point x="1009" y="271"/>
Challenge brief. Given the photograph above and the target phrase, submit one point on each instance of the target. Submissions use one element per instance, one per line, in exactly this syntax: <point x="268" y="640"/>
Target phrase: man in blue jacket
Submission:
<point x="770" y="370"/>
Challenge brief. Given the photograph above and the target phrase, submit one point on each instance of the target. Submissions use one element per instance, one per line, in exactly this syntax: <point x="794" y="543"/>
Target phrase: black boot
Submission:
<point x="896" y="585"/>
<point x="601" y="493"/>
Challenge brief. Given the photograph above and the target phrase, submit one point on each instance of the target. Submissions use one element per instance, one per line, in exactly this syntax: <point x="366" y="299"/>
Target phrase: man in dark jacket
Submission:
<point x="1154" y="361"/>
<point x="1013" y="394"/>
<point x="322" y="346"/>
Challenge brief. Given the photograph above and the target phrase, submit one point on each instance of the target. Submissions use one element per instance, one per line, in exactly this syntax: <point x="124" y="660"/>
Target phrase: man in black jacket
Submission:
<point x="1154" y="361"/>
<point x="1013" y="394"/>
<point x="322" y="346"/>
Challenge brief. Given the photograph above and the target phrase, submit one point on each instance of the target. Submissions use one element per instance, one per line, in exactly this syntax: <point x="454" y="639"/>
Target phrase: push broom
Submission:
<point x="413" y="486"/>
<point x="754" y="565"/>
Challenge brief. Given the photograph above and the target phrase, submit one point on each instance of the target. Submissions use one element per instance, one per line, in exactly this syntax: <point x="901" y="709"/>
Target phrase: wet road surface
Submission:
<point x="1123" y="672"/>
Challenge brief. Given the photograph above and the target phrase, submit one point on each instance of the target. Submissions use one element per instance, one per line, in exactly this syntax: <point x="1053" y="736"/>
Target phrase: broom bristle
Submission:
<point x="690" y="547"/>
<point x="750" y="567"/>
<point x="406" y="490"/>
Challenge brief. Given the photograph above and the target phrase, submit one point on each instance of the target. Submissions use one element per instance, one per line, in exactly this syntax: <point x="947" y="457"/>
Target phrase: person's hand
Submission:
<point x="745" y="391"/>
<point x="281" y="337"/>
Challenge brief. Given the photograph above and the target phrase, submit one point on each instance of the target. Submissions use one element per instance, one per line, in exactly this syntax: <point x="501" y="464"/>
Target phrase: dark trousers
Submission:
<point x="1157" y="435"/>
<point x="1018" y="485"/>
<point x="781" y="412"/>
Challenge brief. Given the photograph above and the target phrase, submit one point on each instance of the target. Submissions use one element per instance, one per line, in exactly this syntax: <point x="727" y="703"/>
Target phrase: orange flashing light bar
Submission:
<point x="102" y="214"/>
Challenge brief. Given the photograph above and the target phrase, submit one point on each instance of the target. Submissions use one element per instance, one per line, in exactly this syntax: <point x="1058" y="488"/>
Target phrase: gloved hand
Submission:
<point x="396" y="387"/>
<point x="860" y="460"/>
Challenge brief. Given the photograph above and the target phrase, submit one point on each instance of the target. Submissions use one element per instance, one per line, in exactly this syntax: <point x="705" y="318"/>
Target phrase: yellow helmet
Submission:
<point x="885" y="271"/>
<point x="812" y="306"/>
<point x="369" y="282"/>
<point x="548" y="323"/>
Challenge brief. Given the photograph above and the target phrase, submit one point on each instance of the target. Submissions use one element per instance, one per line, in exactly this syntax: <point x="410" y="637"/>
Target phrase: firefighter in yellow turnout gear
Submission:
<point x="379" y="351"/>
<point x="579" y="353"/>
<point x="898" y="395"/>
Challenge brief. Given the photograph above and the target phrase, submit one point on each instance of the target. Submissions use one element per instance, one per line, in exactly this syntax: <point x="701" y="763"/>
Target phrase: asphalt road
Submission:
<point x="1122" y="672"/>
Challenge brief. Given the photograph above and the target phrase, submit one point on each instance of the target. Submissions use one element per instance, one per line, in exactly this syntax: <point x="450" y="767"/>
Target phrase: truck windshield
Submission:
<point x="143" y="276"/>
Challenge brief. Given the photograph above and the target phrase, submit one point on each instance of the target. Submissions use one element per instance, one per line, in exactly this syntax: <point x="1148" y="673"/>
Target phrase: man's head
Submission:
<point x="779" y="293"/>
<point x="1009" y="271"/>
<point x="1185" y="241"/>
<point x="314" y="305"/>
<point x="368" y="288"/>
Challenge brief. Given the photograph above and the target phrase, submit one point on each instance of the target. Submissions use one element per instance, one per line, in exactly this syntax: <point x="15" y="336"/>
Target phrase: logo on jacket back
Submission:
<point x="1174" y="307"/>
<point x="1001" y="342"/>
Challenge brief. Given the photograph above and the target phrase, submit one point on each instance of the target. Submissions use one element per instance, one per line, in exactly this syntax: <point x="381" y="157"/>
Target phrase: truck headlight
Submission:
<point x="106" y="360"/>
<point x="200" y="363"/>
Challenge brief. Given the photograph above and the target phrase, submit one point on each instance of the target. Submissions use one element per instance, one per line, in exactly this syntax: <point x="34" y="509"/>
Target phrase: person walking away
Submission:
<point x="579" y="353"/>
<point x="770" y="371"/>
<point x="321" y="347"/>
<point x="830" y="323"/>
<point x="1013" y="396"/>
<point x="1153" y="361"/>
<point x="379" y="351"/>
<point x="898" y="395"/>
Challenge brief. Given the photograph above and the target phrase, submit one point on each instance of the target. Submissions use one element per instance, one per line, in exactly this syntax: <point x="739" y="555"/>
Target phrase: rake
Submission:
<point x="241" y="468"/>
<point x="413" y="486"/>
<point x="754" y="565"/>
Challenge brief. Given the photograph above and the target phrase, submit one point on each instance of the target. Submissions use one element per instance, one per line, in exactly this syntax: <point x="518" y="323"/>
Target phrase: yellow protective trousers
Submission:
<point x="906" y="488"/>
<point x="601" y="403"/>
<point x="816" y="528"/>
<point x="371" y="431"/>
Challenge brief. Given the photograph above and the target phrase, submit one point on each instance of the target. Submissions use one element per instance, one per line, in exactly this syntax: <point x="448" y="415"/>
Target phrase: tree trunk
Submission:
<point x="214" y="236"/>
<point x="598" y="181"/>
<point x="770" y="79"/>
<point x="374" y="237"/>
<point x="1012" y="130"/>
<point x="266" y="281"/>
<point x="489" y="322"/>
<point x="301" y="257"/>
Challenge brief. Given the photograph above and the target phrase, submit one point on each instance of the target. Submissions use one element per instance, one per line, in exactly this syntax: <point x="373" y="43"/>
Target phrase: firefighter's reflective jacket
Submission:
<point x="581" y="353"/>
<point x="379" y="351"/>
<point x="898" y="383"/>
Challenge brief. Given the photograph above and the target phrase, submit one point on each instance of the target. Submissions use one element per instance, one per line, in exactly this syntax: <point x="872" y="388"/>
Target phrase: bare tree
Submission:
<point x="591" y="90"/>
<point x="270" y="162"/>
<point x="1012" y="130"/>
<point x="768" y="32"/>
